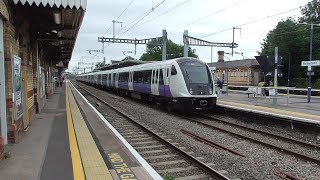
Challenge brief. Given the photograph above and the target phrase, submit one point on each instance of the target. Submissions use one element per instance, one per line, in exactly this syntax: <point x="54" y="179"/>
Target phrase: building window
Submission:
<point x="245" y="74"/>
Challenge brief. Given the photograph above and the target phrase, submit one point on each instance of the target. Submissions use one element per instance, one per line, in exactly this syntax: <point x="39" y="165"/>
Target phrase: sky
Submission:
<point x="204" y="19"/>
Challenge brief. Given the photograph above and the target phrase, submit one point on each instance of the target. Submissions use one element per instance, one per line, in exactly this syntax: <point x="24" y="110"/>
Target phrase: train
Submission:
<point x="180" y="84"/>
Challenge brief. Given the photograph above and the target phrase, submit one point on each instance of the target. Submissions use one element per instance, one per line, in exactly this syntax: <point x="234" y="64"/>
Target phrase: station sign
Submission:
<point x="310" y="63"/>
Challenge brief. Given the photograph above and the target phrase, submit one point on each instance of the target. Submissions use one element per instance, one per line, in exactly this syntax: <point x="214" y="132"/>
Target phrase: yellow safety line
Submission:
<point x="78" y="172"/>
<point x="92" y="161"/>
<point x="273" y="110"/>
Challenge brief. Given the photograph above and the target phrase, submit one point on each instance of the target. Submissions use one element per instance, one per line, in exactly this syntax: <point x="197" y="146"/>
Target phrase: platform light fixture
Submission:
<point x="57" y="17"/>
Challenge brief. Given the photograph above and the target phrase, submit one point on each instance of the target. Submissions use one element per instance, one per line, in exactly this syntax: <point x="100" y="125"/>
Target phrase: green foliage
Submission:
<point x="100" y="64"/>
<point x="293" y="39"/>
<point x="311" y="12"/>
<point x="7" y="155"/>
<point x="168" y="176"/>
<point x="316" y="85"/>
<point x="300" y="82"/>
<point x="128" y="58"/>
<point x="154" y="53"/>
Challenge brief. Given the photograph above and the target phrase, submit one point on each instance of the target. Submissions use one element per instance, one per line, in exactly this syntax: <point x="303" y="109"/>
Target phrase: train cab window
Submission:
<point x="161" y="77"/>
<point x="173" y="70"/>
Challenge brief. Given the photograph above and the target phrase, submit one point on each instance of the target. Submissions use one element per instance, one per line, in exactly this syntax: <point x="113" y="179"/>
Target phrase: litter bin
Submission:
<point x="224" y="88"/>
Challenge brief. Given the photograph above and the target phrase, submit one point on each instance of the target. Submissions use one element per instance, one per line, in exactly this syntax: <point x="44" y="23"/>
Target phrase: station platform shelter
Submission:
<point x="37" y="38"/>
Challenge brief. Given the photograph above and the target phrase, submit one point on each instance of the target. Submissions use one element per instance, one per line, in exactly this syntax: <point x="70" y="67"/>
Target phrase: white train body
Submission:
<point x="182" y="83"/>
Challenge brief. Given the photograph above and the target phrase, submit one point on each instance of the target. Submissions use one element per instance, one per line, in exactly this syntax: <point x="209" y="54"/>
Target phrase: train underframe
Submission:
<point x="170" y="104"/>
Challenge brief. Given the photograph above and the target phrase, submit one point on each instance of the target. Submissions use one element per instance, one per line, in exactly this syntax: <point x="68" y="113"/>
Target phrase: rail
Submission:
<point x="203" y="166"/>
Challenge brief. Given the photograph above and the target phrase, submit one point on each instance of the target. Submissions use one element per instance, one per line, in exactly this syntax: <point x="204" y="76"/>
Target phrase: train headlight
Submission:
<point x="191" y="91"/>
<point x="210" y="91"/>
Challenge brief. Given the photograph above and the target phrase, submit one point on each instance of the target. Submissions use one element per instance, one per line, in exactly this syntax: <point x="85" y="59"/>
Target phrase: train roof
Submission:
<point x="142" y="66"/>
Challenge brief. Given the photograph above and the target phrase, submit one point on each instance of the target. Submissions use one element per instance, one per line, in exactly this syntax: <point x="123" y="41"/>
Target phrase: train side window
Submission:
<point x="161" y="77"/>
<point x="137" y="76"/>
<point x="147" y="76"/>
<point x="173" y="70"/>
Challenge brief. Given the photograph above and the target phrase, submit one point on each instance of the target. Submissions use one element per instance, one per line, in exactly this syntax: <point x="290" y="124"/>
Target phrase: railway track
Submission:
<point x="288" y="145"/>
<point x="165" y="156"/>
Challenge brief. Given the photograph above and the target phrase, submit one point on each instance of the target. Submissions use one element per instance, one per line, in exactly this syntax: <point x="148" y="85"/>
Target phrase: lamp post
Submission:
<point x="310" y="59"/>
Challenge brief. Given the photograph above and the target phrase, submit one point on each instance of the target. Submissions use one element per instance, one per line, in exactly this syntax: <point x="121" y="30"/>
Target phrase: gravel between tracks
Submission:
<point x="261" y="162"/>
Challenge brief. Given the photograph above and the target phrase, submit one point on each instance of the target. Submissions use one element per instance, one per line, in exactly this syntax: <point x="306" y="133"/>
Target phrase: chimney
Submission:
<point x="220" y="56"/>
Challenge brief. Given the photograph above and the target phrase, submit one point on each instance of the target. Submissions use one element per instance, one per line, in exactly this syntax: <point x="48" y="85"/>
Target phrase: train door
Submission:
<point x="155" y="82"/>
<point x="130" y="81"/>
<point x="116" y="80"/>
<point x="161" y="81"/>
<point x="167" y="81"/>
<point x="112" y="79"/>
<point x="107" y="80"/>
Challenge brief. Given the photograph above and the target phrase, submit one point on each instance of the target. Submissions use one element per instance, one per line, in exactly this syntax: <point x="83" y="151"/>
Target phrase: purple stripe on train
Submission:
<point x="164" y="90"/>
<point x="123" y="85"/>
<point x="142" y="87"/>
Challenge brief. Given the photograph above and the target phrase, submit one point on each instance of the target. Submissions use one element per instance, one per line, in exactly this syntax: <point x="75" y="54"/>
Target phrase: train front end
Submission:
<point x="197" y="91"/>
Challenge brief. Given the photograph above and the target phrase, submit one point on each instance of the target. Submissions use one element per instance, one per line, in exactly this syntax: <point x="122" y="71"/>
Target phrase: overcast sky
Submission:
<point x="224" y="15"/>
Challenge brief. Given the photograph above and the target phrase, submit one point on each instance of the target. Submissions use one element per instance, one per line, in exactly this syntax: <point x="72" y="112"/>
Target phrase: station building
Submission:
<point x="245" y="72"/>
<point x="37" y="38"/>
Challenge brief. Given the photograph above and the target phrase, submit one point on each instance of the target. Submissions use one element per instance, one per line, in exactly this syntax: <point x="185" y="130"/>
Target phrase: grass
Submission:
<point x="168" y="176"/>
<point x="6" y="155"/>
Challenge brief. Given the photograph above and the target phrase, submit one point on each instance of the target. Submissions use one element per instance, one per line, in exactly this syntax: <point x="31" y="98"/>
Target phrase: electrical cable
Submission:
<point x="119" y="16"/>
<point x="140" y="19"/>
<point x="216" y="12"/>
<point x="251" y="22"/>
<point x="163" y="13"/>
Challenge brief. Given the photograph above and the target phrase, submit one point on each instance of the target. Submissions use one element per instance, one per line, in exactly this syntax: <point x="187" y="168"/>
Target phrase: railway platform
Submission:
<point x="70" y="140"/>
<point x="295" y="107"/>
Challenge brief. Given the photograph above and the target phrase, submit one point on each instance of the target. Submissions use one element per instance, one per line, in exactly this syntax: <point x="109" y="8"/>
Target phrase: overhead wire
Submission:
<point x="254" y="21"/>
<point x="163" y="13"/>
<point x="119" y="16"/>
<point x="141" y="18"/>
<point x="216" y="12"/>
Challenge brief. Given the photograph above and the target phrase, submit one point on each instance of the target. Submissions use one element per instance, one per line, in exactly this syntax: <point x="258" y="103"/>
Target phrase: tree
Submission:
<point x="100" y="64"/>
<point x="293" y="39"/>
<point x="154" y="53"/>
<point x="311" y="12"/>
<point x="127" y="58"/>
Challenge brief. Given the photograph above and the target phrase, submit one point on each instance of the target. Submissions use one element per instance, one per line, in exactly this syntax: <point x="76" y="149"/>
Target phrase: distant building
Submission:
<point x="245" y="72"/>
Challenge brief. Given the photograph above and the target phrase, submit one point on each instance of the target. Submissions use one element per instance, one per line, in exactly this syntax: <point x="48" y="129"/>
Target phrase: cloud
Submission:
<point x="100" y="13"/>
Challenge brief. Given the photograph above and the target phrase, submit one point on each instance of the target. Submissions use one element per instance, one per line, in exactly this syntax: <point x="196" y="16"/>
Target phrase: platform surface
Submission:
<point x="294" y="107"/>
<point x="69" y="140"/>
<point x="122" y="162"/>
<point x="43" y="150"/>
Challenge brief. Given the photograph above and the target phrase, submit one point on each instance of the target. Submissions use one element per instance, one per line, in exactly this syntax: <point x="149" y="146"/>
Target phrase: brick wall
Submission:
<point x="11" y="47"/>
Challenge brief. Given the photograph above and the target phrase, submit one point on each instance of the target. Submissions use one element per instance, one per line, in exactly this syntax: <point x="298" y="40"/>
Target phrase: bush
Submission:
<point x="316" y="85"/>
<point x="300" y="82"/>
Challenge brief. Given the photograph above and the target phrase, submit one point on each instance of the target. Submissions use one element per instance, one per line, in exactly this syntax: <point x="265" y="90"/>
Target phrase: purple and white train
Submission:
<point x="180" y="84"/>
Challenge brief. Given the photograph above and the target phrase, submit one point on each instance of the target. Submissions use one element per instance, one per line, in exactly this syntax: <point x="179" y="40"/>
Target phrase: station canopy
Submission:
<point x="54" y="23"/>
